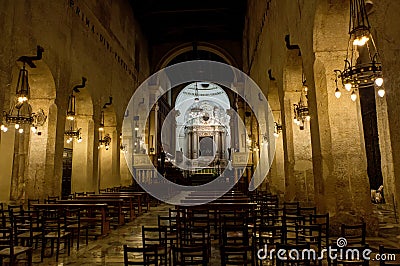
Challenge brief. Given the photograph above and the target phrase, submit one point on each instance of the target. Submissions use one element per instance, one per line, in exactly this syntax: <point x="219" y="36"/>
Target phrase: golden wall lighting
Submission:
<point x="20" y="112"/>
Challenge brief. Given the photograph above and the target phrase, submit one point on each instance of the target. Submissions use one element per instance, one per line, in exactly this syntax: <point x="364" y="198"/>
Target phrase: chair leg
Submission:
<point x="69" y="245"/>
<point x="58" y="248"/>
<point x="29" y="257"/>
<point x="79" y="237"/>
<point x="87" y="235"/>
<point x="43" y="248"/>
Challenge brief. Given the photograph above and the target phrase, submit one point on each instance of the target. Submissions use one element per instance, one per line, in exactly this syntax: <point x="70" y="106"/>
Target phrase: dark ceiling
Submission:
<point x="189" y="21"/>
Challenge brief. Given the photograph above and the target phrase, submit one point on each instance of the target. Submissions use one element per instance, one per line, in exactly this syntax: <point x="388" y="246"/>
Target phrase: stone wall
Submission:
<point x="318" y="31"/>
<point x="91" y="39"/>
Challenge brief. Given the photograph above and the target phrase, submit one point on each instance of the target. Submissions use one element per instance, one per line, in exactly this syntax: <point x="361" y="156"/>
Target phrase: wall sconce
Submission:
<point x="73" y="133"/>
<point x="21" y="111"/>
<point x="277" y="129"/>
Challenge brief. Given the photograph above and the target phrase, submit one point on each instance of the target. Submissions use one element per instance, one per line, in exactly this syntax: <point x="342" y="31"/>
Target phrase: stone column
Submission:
<point x="339" y="158"/>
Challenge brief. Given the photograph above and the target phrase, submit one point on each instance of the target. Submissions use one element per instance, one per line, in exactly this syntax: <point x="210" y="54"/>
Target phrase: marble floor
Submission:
<point x="108" y="250"/>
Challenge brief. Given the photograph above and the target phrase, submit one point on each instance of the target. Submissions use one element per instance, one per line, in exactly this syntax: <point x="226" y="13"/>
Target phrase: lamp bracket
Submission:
<point x="108" y="103"/>
<point x="291" y="46"/>
<point x="270" y="75"/>
<point x="81" y="86"/>
<point x="29" y="59"/>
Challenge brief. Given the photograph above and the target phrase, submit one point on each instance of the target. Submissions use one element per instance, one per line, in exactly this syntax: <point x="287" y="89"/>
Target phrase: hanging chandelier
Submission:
<point x="301" y="112"/>
<point x="72" y="133"/>
<point x="20" y="113"/>
<point x="362" y="67"/>
<point x="104" y="142"/>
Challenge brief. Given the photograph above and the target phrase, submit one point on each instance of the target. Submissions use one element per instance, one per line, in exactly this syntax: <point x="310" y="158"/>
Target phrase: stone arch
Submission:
<point x="31" y="154"/>
<point x="205" y="46"/>
<point x="82" y="178"/>
<point x="109" y="159"/>
<point x="299" y="179"/>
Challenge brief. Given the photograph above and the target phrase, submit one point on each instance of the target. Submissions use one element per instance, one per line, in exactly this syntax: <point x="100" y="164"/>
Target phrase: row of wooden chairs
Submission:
<point x="25" y="229"/>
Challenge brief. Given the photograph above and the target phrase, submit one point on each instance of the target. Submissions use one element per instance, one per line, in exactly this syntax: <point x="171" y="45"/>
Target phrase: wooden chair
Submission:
<point x="52" y="199"/>
<point x="141" y="256"/>
<point x="235" y="247"/>
<point x="24" y="233"/>
<point x="74" y="225"/>
<point x="389" y="256"/>
<point x="189" y="255"/>
<point x="11" y="251"/>
<point x="32" y="201"/>
<point x="311" y="235"/>
<point x="54" y="231"/>
<point x="14" y="209"/>
<point x="354" y="234"/>
<point x="157" y="236"/>
<point x="353" y="255"/>
<point x="293" y="258"/>
<point x="169" y="223"/>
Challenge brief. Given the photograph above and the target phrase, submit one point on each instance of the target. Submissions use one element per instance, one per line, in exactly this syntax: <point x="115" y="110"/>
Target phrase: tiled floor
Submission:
<point x="108" y="250"/>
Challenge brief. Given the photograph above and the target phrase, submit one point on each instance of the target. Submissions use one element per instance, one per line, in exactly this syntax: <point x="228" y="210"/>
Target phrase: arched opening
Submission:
<point x="108" y="152"/>
<point x="78" y="150"/>
<point x="27" y="155"/>
<point x="202" y="131"/>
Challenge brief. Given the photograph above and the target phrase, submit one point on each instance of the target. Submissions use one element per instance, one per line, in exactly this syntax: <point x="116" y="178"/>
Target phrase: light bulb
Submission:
<point x="79" y="140"/>
<point x="68" y="141"/>
<point x="353" y="96"/>
<point x="70" y="117"/>
<point x="347" y="86"/>
<point x="379" y="82"/>
<point x="381" y="92"/>
<point x="337" y="93"/>
<point x="361" y="41"/>
<point x="101" y="128"/>
<point x="21" y="130"/>
<point x="295" y="120"/>
<point x="107" y="147"/>
<point x="16" y="126"/>
<point x="33" y="129"/>
<point x="136" y="128"/>
<point x="22" y="99"/>
<point x="5" y="129"/>
<point x="2" y="127"/>
<point x="276" y="134"/>
<point x="308" y="118"/>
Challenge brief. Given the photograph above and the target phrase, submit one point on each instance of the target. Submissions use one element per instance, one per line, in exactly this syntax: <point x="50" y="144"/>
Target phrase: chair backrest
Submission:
<point x="306" y="211"/>
<point x="52" y="199"/>
<point x="15" y="209"/>
<point x="154" y="236"/>
<point x="354" y="234"/>
<point x="140" y="256"/>
<point x="7" y="239"/>
<point x="32" y="201"/>
<point x="291" y="208"/>
<point x="389" y="256"/>
<point x="22" y="224"/>
<point x="190" y="255"/>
